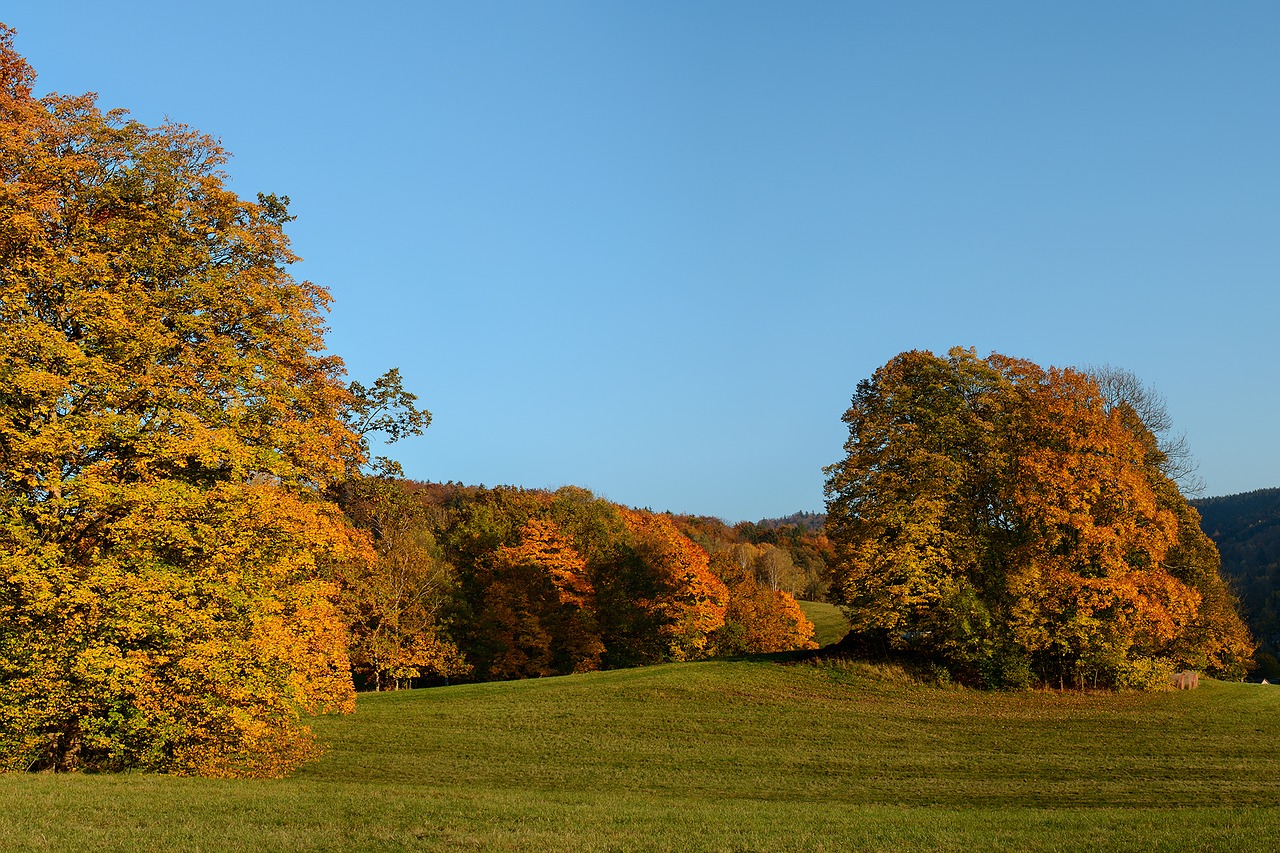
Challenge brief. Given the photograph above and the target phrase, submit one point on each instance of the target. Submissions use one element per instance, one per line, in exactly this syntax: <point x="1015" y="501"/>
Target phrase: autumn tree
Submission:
<point x="384" y="408"/>
<point x="540" y="604"/>
<point x="397" y="606"/>
<point x="757" y="618"/>
<point x="168" y="427"/>
<point x="1146" y="408"/>
<point x="528" y="600"/>
<point x="1007" y="521"/>
<point x="688" y="600"/>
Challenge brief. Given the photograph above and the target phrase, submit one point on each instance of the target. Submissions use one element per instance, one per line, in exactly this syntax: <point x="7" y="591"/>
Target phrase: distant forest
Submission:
<point x="1246" y="529"/>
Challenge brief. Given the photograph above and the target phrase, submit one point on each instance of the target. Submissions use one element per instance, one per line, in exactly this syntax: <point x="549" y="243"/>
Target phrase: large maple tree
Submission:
<point x="168" y="427"/>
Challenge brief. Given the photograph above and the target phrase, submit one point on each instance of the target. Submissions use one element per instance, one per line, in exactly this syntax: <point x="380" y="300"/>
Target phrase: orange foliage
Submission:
<point x="560" y="582"/>
<point x="1097" y="536"/>
<point x="757" y="618"/>
<point x="1006" y="519"/>
<point x="691" y="600"/>
<point x="538" y="604"/>
<point x="542" y="543"/>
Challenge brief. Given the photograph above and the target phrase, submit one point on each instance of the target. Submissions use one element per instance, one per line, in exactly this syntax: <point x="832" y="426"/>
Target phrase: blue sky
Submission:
<point x="650" y="248"/>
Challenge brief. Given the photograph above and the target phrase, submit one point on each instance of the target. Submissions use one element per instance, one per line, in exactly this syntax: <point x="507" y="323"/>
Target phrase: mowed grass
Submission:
<point x="829" y="623"/>
<point x="721" y="755"/>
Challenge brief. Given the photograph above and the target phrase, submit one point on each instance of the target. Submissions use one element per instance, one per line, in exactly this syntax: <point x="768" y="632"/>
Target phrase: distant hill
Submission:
<point x="1246" y="529"/>
<point x="807" y="520"/>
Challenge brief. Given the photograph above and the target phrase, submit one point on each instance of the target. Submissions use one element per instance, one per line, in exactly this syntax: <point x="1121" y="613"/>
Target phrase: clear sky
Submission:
<point x="651" y="247"/>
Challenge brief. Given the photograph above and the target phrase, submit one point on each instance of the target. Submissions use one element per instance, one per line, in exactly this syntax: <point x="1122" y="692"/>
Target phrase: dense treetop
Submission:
<point x="1016" y="525"/>
<point x="168" y="428"/>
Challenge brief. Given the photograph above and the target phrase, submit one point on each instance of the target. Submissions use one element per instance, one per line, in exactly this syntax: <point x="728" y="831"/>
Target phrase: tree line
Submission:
<point x="476" y="583"/>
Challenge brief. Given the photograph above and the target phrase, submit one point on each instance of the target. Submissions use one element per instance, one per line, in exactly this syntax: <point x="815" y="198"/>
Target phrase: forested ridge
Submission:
<point x="1246" y="529"/>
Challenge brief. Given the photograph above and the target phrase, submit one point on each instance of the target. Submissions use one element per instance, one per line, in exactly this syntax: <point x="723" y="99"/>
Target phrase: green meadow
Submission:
<point x="829" y="622"/>
<point x="755" y="754"/>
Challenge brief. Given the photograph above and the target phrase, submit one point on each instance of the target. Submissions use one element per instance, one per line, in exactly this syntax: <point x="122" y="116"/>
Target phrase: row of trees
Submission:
<point x="513" y="583"/>
<point x="1021" y="525"/>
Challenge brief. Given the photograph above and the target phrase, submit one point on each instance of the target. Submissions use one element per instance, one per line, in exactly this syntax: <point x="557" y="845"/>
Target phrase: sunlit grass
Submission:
<point x="829" y="624"/>
<point x="725" y="755"/>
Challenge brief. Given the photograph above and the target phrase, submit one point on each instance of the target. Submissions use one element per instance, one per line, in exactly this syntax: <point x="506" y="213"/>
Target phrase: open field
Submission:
<point x="829" y="623"/>
<point x="722" y="755"/>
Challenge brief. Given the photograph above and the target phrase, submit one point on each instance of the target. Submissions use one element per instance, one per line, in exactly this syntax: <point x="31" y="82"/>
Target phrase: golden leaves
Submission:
<point x="542" y="544"/>
<point x="168" y="427"/>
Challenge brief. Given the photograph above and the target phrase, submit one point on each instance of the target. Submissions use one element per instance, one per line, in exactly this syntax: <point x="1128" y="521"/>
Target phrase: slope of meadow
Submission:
<point x="721" y="755"/>
<point x="829" y="623"/>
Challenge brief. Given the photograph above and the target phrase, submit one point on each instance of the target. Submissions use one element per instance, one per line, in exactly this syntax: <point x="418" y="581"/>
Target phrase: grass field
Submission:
<point x="829" y="624"/>
<point x="721" y="755"/>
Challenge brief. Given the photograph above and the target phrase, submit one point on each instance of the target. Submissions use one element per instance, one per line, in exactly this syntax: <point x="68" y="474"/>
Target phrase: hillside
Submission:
<point x="1246" y="529"/>
<point x="741" y="755"/>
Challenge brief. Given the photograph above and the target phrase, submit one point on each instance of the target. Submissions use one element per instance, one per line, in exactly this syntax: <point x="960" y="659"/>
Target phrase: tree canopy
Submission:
<point x="1016" y="524"/>
<point x="168" y="427"/>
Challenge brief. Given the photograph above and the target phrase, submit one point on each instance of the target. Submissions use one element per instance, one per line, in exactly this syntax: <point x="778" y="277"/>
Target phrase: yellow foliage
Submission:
<point x="169" y="428"/>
